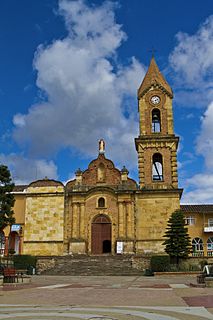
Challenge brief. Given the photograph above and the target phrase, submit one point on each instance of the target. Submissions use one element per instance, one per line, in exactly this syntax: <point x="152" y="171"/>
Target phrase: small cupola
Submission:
<point x="78" y="175"/>
<point x="124" y="174"/>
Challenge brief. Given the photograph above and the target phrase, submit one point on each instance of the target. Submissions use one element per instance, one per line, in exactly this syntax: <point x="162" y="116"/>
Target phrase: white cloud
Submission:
<point x="192" y="65"/>
<point x="193" y="56"/>
<point x="202" y="192"/>
<point x="202" y="183"/>
<point x="25" y="170"/>
<point x="205" y="139"/>
<point x="192" y="62"/>
<point x="198" y="196"/>
<point x="202" y="180"/>
<point x="85" y="88"/>
<point x="19" y="120"/>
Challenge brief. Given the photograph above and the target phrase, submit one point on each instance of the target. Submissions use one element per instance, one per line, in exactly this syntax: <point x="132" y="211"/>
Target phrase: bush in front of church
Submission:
<point x="160" y="263"/>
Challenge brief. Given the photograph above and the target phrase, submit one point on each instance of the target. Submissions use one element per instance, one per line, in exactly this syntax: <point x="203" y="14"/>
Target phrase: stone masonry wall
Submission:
<point x="44" y="220"/>
<point x="152" y="213"/>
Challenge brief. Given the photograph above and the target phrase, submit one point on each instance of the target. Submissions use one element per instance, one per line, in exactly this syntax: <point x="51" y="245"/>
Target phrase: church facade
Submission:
<point x="103" y="211"/>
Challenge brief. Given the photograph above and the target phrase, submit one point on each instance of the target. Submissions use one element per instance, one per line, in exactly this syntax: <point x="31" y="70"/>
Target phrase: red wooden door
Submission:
<point x="101" y="235"/>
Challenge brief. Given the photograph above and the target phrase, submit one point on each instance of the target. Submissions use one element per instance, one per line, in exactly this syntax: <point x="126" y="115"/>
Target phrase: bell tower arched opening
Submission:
<point x="157" y="167"/>
<point x="156" y="122"/>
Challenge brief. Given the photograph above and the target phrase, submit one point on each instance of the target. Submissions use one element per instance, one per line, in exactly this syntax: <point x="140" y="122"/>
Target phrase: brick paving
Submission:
<point x="204" y="301"/>
<point x="129" y="297"/>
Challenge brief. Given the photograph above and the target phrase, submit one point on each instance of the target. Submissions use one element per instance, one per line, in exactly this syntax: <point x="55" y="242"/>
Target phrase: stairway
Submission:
<point x="92" y="265"/>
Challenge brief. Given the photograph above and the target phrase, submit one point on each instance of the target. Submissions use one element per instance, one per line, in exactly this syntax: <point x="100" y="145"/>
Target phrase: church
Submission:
<point x="103" y="211"/>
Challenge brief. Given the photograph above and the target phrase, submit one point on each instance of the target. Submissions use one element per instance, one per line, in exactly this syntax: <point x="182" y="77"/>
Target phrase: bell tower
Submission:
<point x="156" y="144"/>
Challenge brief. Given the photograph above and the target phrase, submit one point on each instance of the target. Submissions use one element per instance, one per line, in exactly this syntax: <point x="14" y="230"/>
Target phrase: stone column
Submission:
<point x="67" y="222"/>
<point x="125" y="219"/>
<point x="75" y="221"/>
<point x="129" y="220"/>
<point x="82" y="221"/>
<point x="120" y="220"/>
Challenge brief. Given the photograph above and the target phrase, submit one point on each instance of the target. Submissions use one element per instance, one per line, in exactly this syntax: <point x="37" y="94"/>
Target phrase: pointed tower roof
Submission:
<point x="154" y="78"/>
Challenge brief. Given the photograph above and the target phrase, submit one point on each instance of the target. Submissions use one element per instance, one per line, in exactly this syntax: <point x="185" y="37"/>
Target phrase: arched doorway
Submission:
<point x="14" y="241"/>
<point x="101" y="235"/>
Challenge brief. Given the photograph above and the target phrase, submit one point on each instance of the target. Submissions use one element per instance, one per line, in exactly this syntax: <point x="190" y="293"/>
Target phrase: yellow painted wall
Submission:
<point x="19" y="208"/>
<point x="197" y="230"/>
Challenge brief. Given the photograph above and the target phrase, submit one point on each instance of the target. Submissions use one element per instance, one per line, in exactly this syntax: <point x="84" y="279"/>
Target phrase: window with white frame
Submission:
<point x="210" y="244"/>
<point x="210" y="222"/>
<point x="190" y="220"/>
<point x="197" y="244"/>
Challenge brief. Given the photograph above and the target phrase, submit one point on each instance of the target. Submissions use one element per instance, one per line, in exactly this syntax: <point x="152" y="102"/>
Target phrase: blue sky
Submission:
<point x="69" y="73"/>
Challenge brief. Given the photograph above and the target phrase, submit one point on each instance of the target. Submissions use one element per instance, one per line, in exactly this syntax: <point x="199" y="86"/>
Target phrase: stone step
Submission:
<point x="94" y="265"/>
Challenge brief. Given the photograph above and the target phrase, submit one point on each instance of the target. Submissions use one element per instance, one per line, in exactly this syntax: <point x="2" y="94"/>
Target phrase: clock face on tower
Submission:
<point x="155" y="99"/>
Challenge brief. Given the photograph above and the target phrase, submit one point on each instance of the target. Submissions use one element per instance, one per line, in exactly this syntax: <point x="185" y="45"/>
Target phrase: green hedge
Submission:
<point x="160" y="263"/>
<point x="24" y="261"/>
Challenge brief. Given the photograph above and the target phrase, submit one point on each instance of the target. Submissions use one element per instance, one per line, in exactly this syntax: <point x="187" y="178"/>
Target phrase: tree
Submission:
<point x="6" y="198"/>
<point x="177" y="243"/>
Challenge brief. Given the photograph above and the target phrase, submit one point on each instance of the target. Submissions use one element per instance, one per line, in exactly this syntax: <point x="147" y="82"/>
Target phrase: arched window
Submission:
<point x="101" y="202"/>
<point x="101" y="173"/>
<point x="197" y="247"/>
<point x="156" y="127"/>
<point x="157" y="167"/>
<point x="210" y="246"/>
<point x="2" y="243"/>
<point x="101" y="218"/>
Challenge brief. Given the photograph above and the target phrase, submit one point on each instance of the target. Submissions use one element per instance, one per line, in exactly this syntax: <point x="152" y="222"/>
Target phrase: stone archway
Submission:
<point x="101" y="235"/>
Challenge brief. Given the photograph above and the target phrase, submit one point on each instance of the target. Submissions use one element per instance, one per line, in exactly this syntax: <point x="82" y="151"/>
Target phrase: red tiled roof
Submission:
<point x="197" y="208"/>
<point x="20" y="188"/>
<point x="45" y="183"/>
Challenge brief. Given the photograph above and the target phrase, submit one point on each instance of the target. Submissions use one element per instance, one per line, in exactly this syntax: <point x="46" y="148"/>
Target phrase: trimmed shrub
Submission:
<point x="160" y="263"/>
<point x="24" y="261"/>
<point x="189" y="266"/>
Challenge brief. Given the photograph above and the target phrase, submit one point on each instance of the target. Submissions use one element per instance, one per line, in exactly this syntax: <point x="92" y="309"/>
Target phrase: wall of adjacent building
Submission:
<point x="44" y="221"/>
<point x="197" y="230"/>
<point x="19" y="208"/>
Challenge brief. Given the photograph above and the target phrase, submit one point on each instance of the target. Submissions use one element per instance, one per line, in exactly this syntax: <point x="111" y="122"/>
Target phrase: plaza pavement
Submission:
<point x="107" y="298"/>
